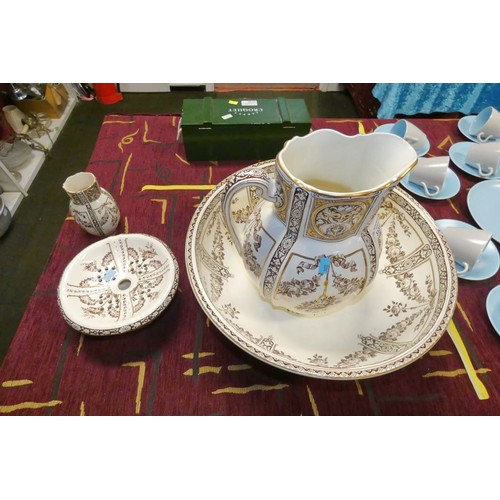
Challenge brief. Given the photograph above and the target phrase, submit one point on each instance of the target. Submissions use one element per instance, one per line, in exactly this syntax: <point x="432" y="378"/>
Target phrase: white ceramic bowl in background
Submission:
<point x="15" y="155"/>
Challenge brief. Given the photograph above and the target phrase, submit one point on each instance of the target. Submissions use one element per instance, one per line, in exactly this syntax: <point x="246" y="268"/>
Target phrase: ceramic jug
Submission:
<point x="93" y="208"/>
<point x="312" y="238"/>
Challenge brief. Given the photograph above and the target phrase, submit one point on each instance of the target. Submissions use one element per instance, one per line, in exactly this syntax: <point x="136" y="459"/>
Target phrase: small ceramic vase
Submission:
<point x="93" y="208"/>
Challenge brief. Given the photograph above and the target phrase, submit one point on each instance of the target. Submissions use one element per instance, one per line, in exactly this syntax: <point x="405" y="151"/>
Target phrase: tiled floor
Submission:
<point x="25" y="248"/>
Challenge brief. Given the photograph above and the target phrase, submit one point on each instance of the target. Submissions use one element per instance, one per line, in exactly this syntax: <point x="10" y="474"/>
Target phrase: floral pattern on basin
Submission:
<point x="118" y="284"/>
<point x="398" y="318"/>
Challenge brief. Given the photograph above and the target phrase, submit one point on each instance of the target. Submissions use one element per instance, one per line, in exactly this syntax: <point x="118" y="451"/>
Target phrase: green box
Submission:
<point x="241" y="128"/>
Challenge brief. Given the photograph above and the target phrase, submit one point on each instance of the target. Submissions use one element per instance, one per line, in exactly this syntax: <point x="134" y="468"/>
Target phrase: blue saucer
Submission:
<point x="464" y="127"/>
<point x="451" y="186"/>
<point x="483" y="201"/>
<point x="487" y="265"/>
<point x="458" y="153"/>
<point x="493" y="308"/>
<point x="386" y="127"/>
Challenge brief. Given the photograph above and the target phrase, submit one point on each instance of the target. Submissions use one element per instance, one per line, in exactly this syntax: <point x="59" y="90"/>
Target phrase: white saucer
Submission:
<point x="118" y="284"/>
<point x="398" y="318"/>
<point x="489" y="262"/>
<point x="386" y="127"/>
<point x="493" y="308"/>
<point x="483" y="201"/>
<point x="451" y="186"/>
<point x="458" y="153"/>
<point x="464" y="126"/>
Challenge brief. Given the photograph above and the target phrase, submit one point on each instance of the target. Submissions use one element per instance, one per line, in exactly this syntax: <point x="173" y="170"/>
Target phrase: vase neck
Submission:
<point x="82" y="188"/>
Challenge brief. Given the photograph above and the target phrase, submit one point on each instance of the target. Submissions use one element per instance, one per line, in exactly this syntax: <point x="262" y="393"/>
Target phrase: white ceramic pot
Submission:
<point x="93" y="208"/>
<point x="312" y="238"/>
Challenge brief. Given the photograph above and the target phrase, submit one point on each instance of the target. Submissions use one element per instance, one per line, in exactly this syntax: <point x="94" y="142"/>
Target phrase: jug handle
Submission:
<point x="249" y="177"/>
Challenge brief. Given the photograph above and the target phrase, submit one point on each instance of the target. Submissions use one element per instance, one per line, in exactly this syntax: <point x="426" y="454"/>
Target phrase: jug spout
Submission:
<point x="327" y="161"/>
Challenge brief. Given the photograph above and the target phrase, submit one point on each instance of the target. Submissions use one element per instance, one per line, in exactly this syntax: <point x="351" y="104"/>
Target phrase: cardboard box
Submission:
<point x="241" y="129"/>
<point x="54" y="104"/>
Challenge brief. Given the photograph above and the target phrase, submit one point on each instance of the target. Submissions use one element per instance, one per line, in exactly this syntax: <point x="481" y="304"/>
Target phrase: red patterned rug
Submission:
<point x="181" y="364"/>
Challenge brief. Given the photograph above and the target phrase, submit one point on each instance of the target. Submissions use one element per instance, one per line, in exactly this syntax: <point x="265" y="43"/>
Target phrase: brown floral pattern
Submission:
<point x="341" y="284"/>
<point x="100" y="293"/>
<point x="300" y="197"/>
<point x="97" y="216"/>
<point x="338" y="220"/>
<point x="400" y="269"/>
